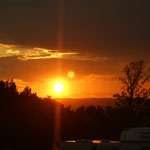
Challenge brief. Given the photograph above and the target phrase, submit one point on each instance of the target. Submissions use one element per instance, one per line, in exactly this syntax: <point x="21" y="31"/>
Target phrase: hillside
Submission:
<point x="75" y="103"/>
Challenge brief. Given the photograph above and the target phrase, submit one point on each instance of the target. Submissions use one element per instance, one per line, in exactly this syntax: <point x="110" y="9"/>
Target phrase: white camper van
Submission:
<point x="131" y="139"/>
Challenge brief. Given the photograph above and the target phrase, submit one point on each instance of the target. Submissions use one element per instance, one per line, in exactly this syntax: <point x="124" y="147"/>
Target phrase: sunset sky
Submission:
<point x="41" y="41"/>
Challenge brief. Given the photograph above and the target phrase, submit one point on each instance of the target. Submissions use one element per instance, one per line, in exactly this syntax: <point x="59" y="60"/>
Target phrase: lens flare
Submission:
<point x="71" y="74"/>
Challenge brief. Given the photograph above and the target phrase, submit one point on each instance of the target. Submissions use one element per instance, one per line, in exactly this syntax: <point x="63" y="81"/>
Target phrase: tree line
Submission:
<point x="27" y="121"/>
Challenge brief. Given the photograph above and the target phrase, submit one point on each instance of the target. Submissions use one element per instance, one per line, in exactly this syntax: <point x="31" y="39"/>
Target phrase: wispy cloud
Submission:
<point x="31" y="53"/>
<point x="95" y="77"/>
<point x="38" y="53"/>
<point x="87" y="57"/>
<point x="6" y="45"/>
<point x="11" y="51"/>
<point x="23" y="53"/>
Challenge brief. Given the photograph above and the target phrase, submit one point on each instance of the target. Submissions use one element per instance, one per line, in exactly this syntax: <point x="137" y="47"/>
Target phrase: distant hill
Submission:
<point x="75" y="103"/>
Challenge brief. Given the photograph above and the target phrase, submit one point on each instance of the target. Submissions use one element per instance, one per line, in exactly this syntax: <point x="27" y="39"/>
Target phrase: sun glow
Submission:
<point x="58" y="87"/>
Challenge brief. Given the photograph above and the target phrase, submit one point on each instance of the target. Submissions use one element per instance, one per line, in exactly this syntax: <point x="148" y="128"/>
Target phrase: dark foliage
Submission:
<point x="134" y="94"/>
<point x="27" y="121"/>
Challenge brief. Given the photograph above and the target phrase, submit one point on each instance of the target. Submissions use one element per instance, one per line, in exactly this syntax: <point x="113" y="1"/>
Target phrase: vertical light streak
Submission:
<point x="60" y="31"/>
<point x="57" y="123"/>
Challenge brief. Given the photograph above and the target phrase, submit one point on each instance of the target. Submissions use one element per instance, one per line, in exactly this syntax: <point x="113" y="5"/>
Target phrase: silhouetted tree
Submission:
<point x="133" y="93"/>
<point x="8" y="93"/>
<point x="27" y="92"/>
<point x="27" y="121"/>
<point x="8" y="87"/>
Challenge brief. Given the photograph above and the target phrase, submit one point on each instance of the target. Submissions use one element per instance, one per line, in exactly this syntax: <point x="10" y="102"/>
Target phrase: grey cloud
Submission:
<point x="107" y="28"/>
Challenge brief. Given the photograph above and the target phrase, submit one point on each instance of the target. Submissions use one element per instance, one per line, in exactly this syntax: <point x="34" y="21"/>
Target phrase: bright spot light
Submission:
<point x="71" y="74"/>
<point x="58" y="87"/>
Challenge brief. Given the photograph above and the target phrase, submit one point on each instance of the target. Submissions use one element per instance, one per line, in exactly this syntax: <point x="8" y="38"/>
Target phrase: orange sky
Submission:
<point x="41" y="69"/>
<point x="94" y="39"/>
<point x="77" y="87"/>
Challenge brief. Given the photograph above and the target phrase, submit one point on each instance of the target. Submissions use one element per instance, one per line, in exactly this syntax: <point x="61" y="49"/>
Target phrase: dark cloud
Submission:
<point x="107" y="28"/>
<point x="22" y="2"/>
<point x="28" y="22"/>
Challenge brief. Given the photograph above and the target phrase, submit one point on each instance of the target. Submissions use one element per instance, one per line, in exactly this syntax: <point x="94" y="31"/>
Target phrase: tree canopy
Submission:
<point x="136" y="74"/>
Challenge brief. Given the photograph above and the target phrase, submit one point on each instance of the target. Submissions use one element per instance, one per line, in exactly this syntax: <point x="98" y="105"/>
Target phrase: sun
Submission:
<point x="58" y="87"/>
